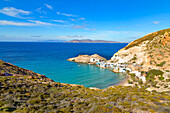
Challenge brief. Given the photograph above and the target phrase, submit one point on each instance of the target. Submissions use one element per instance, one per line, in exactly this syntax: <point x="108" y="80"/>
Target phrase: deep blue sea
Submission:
<point x="50" y="59"/>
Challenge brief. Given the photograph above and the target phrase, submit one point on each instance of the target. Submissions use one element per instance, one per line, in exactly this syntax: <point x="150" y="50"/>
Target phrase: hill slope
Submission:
<point x="22" y="95"/>
<point x="24" y="91"/>
<point x="148" y="57"/>
<point x="150" y="51"/>
<point x="148" y="37"/>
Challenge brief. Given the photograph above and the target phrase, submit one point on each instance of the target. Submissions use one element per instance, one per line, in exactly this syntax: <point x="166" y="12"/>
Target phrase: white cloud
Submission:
<point x="72" y="37"/>
<point x="48" y="6"/>
<point x="65" y="14"/>
<point x="156" y="22"/>
<point x="11" y="11"/>
<point x="82" y="18"/>
<point x="122" y="32"/>
<point x="5" y="22"/>
<point x="69" y="15"/>
<point x="60" y="21"/>
<point x="58" y="13"/>
<point x="116" y="35"/>
<point x="37" y="22"/>
<point x="91" y="29"/>
<point x="40" y="10"/>
<point x="72" y="19"/>
<point x="31" y="23"/>
<point x="15" y="38"/>
<point x="78" y="27"/>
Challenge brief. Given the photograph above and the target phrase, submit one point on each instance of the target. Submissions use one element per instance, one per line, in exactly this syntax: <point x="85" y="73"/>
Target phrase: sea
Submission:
<point x="50" y="59"/>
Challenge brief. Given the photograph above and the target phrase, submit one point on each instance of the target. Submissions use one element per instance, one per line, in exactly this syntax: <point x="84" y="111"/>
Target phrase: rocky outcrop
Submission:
<point x="148" y="55"/>
<point x="86" y="58"/>
<point x="166" y="39"/>
<point x="153" y="52"/>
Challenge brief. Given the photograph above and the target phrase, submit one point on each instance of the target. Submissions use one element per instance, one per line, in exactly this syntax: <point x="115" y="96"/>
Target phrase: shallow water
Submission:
<point x="50" y="59"/>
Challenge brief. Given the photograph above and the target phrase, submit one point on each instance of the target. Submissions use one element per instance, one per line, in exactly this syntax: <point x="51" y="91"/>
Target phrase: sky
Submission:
<point x="114" y="20"/>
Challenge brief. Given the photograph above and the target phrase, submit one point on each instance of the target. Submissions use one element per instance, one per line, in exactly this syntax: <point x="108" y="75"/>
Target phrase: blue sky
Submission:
<point x="116" y="20"/>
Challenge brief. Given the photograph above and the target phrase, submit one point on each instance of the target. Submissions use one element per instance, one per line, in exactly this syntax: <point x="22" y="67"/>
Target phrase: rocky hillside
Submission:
<point x="150" y="57"/>
<point x="29" y="95"/>
<point x="8" y="69"/>
<point x="149" y="52"/>
<point x="148" y="37"/>
<point x="23" y="91"/>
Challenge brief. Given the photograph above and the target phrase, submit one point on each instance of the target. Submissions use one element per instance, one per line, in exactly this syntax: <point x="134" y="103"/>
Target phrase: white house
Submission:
<point x="137" y="73"/>
<point x="103" y="64"/>
<point x="92" y="60"/>
<point x="122" y="70"/>
<point x="128" y="69"/>
<point x="143" y="79"/>
<point x="97" y="60"/>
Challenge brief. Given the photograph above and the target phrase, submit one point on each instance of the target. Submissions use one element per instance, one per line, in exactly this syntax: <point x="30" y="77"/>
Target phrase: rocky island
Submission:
<point x="91" y="41"/>
<point x="23" y="91"/>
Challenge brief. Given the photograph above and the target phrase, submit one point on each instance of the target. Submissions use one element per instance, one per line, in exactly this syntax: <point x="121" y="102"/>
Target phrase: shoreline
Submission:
<point x="97" y="61"/>
<point x="122" y="82"/>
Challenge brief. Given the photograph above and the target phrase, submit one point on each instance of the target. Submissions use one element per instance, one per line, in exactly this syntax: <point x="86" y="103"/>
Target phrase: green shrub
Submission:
<point x="134" y="58"/>
<point x="167" y="80"/>
<point x="161" y="78"/>
<point x="35" y="101"/>
<point x="8" y="109"/>
<point x="153" y="72"/>
<point x="161" y="64"/>
<point x="130" y="82"/>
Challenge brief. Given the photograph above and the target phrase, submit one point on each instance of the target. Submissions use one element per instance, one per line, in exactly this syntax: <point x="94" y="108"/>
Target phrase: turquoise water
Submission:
<point x="50" y="59"/>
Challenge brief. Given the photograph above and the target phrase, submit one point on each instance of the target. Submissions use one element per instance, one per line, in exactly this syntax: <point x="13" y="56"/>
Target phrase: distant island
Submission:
<point x="91" y="41"/>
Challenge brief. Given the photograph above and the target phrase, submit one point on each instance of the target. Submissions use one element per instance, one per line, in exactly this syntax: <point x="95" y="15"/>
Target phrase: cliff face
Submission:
<point x="150" y="51"/>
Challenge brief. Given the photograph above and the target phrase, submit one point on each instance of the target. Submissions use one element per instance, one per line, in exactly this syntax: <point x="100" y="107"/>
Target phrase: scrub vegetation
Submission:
<point x="20" y="94"/>
<point x="148" y="37"/>
<point x="25" y="91"/>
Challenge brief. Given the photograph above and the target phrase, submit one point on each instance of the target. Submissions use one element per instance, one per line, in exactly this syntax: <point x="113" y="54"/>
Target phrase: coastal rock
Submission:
<point x="150" y="51"/>
<point x="148" y="59"/>
<point x="94" y="88"/>
<point x="86" y="58"/>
